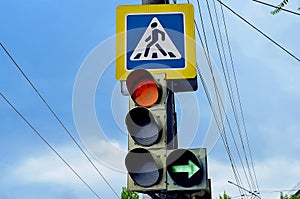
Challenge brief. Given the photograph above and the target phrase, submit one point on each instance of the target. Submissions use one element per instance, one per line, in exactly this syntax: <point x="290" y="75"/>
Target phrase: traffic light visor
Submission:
<point x="142" y="88"/>
<point x="143" y="127"/>
<point x="144" y="168"/>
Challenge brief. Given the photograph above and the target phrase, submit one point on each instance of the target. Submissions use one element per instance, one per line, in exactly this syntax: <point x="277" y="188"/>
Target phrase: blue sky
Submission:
<point x="50" y="40"/>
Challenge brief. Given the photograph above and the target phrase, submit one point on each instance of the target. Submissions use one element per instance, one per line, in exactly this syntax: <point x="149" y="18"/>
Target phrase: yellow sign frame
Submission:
<point x="189" y="36"/>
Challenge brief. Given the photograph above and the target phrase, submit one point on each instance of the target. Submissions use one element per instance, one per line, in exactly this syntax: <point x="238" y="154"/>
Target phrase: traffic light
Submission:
<point x="147" y="126"/>
<point x="154" y="162"/>
<point x="187" y="170"/>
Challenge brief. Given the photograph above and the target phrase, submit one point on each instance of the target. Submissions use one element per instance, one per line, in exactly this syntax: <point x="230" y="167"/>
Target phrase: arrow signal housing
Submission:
<point x="187" y="181"/>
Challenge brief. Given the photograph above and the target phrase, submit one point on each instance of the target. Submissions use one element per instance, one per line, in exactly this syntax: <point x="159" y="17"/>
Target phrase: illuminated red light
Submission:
<point x="143" y="88"/>
<point x="146" y="94"/>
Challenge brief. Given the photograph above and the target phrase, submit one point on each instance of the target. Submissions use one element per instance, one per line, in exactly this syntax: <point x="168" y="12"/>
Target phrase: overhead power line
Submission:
<point x="239" y="97"/>
<point x="221" y="131"/>
<point x="267" y="4"/>
<point x="58" y="119"/>
<point x="250" y="24"/>
<point x="270" y="192"/>
<point x="252" y="193"/>
<point x="229" y="88"/>
<point x="220" y="103"/>
<point x="278" y="191"/>
<point x="49" y="145"/>
<point x="232" y="99"/>
<point x="220" y="124"/>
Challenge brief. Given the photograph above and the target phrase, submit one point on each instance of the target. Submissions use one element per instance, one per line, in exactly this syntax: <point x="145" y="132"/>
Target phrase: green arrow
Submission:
<point x="191" y="169"/>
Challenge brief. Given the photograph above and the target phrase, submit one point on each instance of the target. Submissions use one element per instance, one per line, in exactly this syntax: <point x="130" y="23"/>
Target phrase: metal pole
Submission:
<point x="254" y="194"/>
<point x="155" y="1"/>
<point x="172" y="141"/>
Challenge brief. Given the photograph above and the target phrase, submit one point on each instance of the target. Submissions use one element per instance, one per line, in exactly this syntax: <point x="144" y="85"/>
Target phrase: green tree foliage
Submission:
<point x="280" y="6"/>
<point x="225" y="196"/>
<point x="288" y="197"/>
<point x="128" y="194"/>
<point x="294" y="197"/>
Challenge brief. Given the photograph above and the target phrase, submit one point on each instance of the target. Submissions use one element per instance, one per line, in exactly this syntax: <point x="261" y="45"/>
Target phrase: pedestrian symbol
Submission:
<point x="155" y="44"/>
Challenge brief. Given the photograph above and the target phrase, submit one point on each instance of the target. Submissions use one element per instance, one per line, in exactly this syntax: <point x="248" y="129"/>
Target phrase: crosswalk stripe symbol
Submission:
<point x="155" y="44"/>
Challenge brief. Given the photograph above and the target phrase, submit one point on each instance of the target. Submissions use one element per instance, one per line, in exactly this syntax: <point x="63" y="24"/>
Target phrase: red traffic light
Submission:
<point x="142" y="88"/>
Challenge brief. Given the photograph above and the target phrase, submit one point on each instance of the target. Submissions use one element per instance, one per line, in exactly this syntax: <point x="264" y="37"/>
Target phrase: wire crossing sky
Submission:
<point x="51" y="147"/>
<point x="51" y="40"/>
<point x="58" y="119"/>
<point x="268" y="37"/>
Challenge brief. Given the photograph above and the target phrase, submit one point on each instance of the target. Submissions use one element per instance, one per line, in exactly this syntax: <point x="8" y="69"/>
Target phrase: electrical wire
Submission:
<point x="278" y="191"/>
<point x="232" y="104"/>
<point x="270" y="192"/>
<point x="254" y="27"/>
<point x="247" y="139"/>
<point x="230" y="93"/>
<point x="58" y="119"/>
<point x="248" y="191"/>
<point x="199" y="8"/>
<point x="239" y="97"/>
<point x="49" y="145"/>
<point x="222" y="132"/>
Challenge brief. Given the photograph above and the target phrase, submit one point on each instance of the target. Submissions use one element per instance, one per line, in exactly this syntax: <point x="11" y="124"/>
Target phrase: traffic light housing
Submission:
<point x="146" y="123"/>
<point x="154" y="162"/>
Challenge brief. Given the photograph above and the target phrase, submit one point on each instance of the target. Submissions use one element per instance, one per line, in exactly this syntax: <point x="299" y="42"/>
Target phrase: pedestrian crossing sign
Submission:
<point x="163" y="49"/>
<point x="159" y="38"/>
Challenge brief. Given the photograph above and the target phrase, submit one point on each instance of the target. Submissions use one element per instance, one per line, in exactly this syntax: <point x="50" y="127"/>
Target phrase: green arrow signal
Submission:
<point x="191" y="169"/>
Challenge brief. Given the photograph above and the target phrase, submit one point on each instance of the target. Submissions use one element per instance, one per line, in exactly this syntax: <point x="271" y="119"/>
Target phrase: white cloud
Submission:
<point x="273" y="174"/>
<point x="42" y="169"/>
<point x="109" y="153"/>
<point x="47" y="168"/>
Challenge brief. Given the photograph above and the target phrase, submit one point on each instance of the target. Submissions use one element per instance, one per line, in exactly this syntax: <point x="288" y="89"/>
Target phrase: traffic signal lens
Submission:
<point x="143" y="127"/>
<point x="184" y="168"/>
<point x="144" y="168"/>
<point x="142" y="87"/>
<point x="146" y="94"/>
